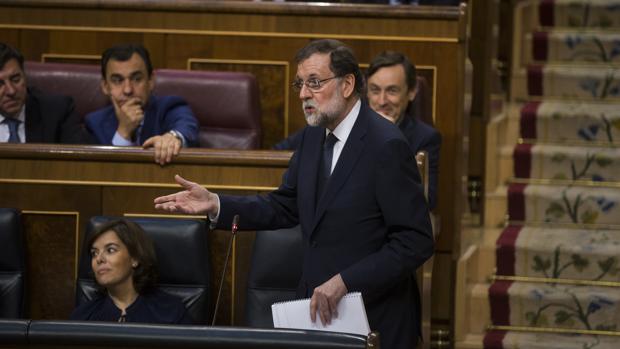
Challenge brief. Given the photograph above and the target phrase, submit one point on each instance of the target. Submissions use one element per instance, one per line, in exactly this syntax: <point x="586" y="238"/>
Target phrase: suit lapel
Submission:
<point x="309" y="168"/>
<point x="34" y="124"/>
<point x="148" y="125"/>
<point x="109" y="125"/>
<point x="351" y="152"/>
<point x="408" y="127"/>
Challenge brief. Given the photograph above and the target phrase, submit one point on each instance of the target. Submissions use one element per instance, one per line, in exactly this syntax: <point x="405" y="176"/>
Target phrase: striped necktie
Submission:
<point x="13" y="129"/>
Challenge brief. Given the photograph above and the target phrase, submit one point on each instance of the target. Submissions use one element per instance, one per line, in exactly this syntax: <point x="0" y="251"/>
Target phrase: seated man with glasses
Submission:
<point x="30" y="116"/>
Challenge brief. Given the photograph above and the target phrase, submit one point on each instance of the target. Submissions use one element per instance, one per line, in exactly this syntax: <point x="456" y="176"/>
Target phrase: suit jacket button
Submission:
<point x="313" y="243"/>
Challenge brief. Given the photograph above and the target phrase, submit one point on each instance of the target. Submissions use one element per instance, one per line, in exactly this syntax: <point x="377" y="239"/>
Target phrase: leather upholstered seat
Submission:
<point x="80" y="81"/>
<point x="81" y="334"/>
<point x="275" y="271"/>
<point x="226" y="104"/>
<point x="422" y="105"/>
<point x="14" y="333"/>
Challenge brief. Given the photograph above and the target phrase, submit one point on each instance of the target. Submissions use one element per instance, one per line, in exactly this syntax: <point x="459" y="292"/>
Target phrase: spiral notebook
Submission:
<point x="296" y="314"/>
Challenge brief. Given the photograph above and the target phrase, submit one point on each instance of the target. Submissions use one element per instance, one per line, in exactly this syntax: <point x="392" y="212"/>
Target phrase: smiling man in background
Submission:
<point x="392" y="88"/>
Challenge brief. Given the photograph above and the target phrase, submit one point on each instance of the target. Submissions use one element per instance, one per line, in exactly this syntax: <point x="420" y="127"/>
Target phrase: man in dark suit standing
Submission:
<point x="392" y="88"/>
<point x="353" y="186"/>
<point x="27" y="115"/>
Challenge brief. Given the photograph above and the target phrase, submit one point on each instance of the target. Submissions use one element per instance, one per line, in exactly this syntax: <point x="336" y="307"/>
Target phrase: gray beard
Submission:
<point x="325" y="118"/>
<point x="318" y="119"/>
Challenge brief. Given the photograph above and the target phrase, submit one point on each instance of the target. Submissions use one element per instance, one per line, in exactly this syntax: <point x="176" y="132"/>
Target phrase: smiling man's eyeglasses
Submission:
<point x="312" y="84"/>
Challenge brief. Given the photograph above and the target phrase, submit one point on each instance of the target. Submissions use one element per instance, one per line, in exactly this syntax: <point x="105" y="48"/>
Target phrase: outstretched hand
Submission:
<point x="193" y="200"/>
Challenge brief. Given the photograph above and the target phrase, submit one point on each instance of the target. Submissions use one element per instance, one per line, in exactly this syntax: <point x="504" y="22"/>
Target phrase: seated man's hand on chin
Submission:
<point x="166" y="147"/>
<point x="129" y="116"/>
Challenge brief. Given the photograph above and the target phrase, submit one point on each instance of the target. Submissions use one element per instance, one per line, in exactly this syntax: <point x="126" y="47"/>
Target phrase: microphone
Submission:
<point x="233" y="230"/>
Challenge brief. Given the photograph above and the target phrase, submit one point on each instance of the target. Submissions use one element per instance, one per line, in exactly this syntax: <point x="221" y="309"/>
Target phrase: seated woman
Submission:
<point x="125" y="267"/>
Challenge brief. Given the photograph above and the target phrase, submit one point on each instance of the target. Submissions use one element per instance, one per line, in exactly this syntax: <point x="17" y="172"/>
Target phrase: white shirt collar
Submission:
<point x="21" y="129"/>
<point x="21" y="116"/>
<point x="344" y="128"/>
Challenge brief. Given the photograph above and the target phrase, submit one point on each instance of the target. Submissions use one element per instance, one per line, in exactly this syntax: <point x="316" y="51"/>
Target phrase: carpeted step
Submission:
<point x="579" y="14"/>
<point x="531" y="340"/>
<point x="594" y="83"/>
<point x="559" y="253"/>
<point x="528" y="304"/>
<point x="573" y="46"/>
<point x="559" y="270"/>
<point x="555" y="121"/>
<point x="561" y="162"/>
<point x="563" y="204"/>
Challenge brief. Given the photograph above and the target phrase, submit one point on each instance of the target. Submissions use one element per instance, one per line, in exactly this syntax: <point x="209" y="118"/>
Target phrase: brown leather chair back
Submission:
<point x="80" y="81"/>
<point x="276" y="268"/>
<point x="226" y="105"/>
<point x="422" y="105"/>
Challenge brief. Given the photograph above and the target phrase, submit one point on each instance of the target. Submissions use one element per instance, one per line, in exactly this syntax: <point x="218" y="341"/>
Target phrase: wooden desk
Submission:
<point x="59" y="188"/>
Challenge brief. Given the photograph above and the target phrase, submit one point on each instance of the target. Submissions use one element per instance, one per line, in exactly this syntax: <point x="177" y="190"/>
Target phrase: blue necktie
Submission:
<point x="13" y="129"/>
<point x="326" y="166"/>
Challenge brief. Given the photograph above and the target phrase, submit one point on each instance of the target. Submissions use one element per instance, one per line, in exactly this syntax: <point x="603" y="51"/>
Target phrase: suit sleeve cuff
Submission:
<point x="120" y="141"/>
<point x="180" y="136"/>
<point x="214" y="218"/>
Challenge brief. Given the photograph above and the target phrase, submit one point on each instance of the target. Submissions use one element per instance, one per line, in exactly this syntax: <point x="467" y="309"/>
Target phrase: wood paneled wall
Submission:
<point x="262" y="38"/>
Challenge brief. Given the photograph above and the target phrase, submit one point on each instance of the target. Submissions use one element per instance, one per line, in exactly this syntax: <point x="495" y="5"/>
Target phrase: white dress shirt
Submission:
<point x="342" y="132"/>
<point x="21" y="129"/>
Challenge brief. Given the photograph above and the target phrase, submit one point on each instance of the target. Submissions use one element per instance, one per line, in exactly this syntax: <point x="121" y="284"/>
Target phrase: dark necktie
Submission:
<point x="326" y="165"/>
<point x="13" y="129"/>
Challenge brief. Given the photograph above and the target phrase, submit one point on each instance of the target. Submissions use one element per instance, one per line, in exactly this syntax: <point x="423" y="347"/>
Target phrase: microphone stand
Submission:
<point x="235" y="227"/>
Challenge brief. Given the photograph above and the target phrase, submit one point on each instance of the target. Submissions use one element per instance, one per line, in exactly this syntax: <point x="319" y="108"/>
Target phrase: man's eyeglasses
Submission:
<point x="313" y="84"/>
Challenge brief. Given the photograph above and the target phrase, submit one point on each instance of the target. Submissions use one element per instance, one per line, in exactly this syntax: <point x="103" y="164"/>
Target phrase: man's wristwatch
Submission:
<point x="177" y="135"/>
